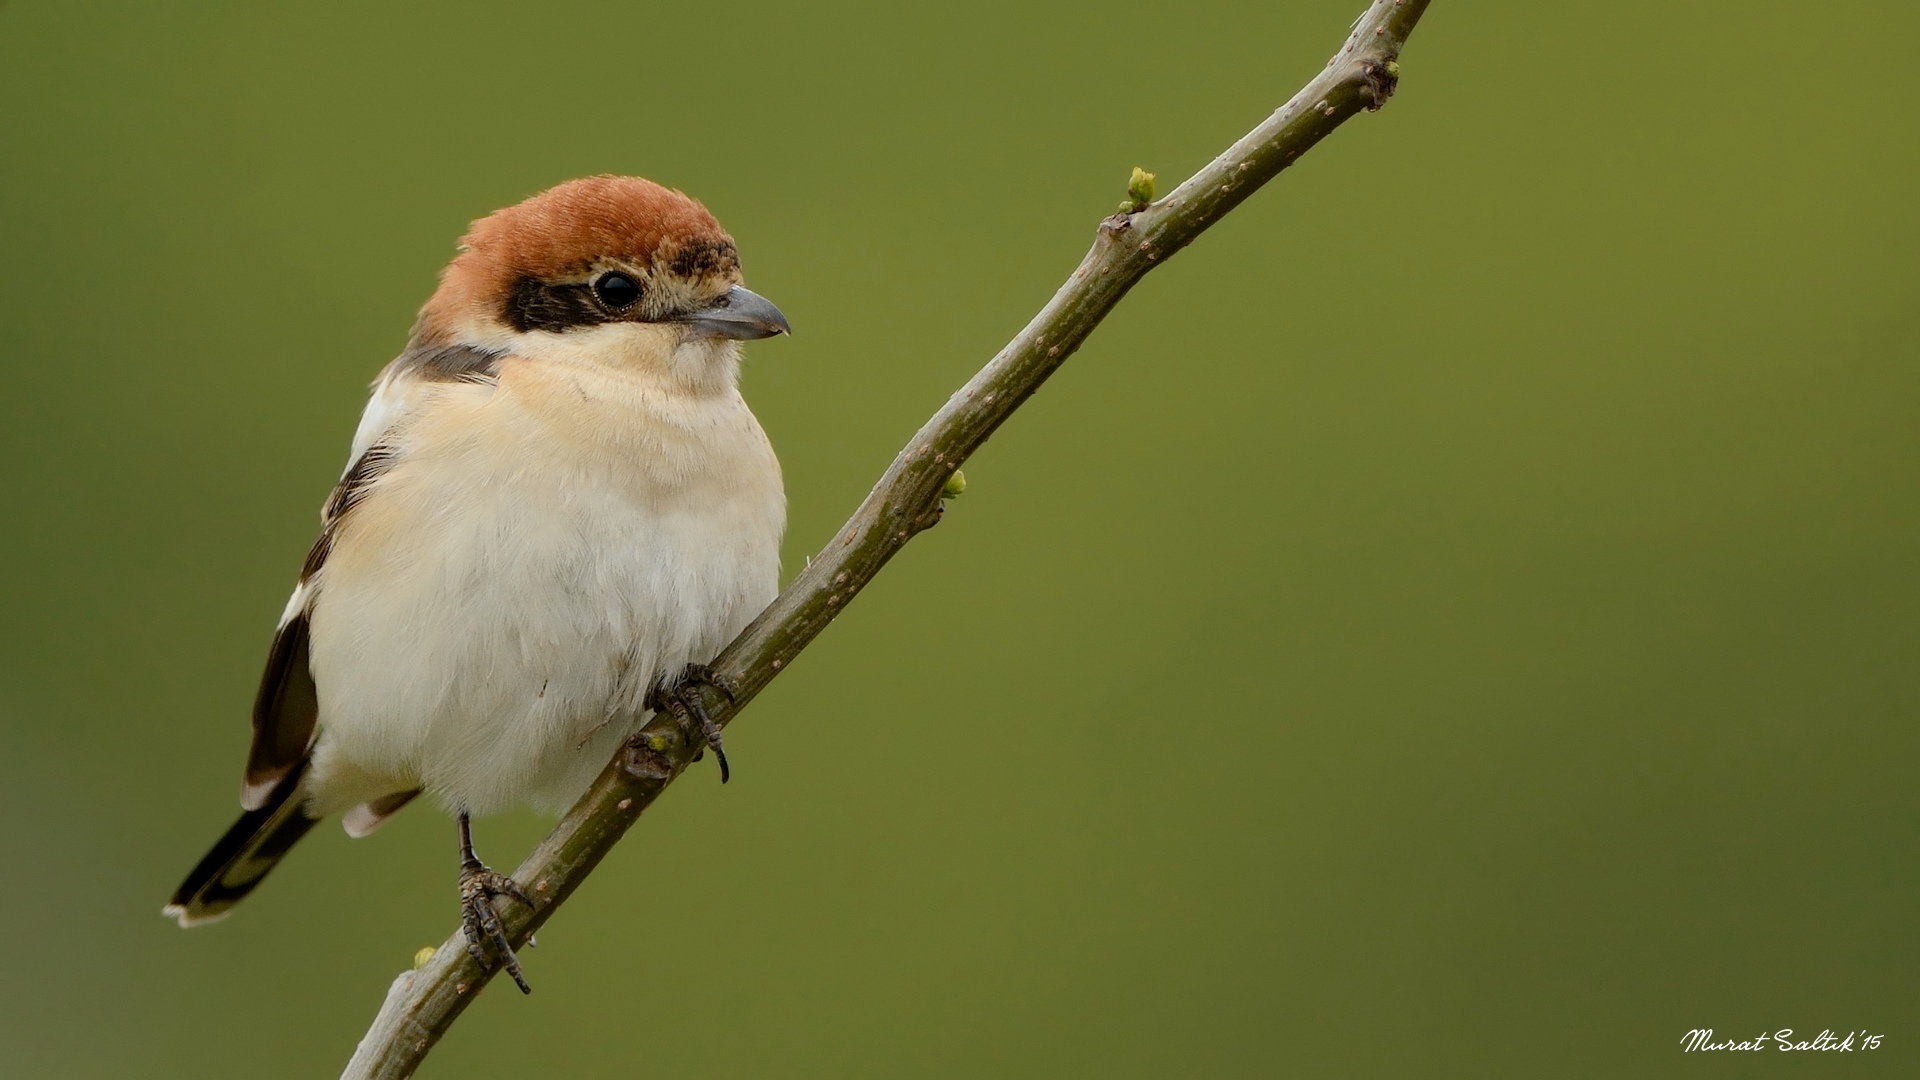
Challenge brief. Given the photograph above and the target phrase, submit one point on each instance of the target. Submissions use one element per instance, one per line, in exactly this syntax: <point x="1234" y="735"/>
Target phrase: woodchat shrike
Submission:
<point x="556" y="505"/>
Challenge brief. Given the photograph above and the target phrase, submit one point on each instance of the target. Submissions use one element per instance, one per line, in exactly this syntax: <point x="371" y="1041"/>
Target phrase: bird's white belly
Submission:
<point x="489" y="628"/>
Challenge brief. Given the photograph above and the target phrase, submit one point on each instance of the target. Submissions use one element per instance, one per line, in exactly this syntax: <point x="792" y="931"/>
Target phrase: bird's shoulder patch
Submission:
<point x="443" y="363"/>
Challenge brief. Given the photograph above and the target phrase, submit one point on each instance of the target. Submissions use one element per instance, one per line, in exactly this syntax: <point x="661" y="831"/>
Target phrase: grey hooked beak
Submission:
<point x="741" y="314"/>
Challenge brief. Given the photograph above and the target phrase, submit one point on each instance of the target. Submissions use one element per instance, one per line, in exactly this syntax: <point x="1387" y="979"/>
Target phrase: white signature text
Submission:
<point x="1704" y="1039"/>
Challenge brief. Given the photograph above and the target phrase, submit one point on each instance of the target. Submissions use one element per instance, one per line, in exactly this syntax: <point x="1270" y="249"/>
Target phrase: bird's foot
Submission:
<point x="478" y="886"/>
<point x="681" y="699"/>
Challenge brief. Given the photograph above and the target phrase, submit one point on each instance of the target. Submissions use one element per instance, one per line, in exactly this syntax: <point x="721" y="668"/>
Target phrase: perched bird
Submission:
<point x="556" y="506"/>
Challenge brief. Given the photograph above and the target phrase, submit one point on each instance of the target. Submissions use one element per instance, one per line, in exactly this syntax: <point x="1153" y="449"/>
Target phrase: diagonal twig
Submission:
<point x="422" y="1004"/>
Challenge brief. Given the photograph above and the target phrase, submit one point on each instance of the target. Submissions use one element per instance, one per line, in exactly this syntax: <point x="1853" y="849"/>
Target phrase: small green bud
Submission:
<point x="420" y="958"/>
<point x="1141" y="185"/>
<point x="1140" y="188"/>
<point x="955" y="486"/>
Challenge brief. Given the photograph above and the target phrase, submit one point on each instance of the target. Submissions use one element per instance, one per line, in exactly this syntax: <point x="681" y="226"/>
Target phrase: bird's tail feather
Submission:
<point x="243" y="856"/>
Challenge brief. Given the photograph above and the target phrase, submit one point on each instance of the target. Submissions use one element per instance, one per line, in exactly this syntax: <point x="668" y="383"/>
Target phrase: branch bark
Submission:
<point x="422" y="1004"/>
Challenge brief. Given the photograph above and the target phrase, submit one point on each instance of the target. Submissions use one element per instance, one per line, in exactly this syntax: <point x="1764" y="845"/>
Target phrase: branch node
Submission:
<point x="931" y="518"/>
<point x="647" y="759"/>
<point x="1380" y="78"/>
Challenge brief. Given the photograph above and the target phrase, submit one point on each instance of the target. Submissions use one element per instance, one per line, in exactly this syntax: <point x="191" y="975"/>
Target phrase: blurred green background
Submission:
<point x="1459" y="619"/>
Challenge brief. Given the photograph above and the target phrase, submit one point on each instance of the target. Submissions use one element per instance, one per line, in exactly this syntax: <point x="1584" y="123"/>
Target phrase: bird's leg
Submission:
<point x="478" y="886"/>
<point x="682" y="700"/>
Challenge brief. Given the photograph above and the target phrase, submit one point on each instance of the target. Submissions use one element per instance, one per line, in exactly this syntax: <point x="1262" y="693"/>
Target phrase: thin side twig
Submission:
<point x="422" y="1004"/>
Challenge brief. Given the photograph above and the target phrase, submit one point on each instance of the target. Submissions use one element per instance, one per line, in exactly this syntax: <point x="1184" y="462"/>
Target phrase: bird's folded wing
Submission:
<point x="287" y="709"/>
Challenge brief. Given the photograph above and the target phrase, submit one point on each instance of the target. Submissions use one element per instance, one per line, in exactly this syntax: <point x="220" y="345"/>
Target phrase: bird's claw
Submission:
<point x="478" y="887"/>
<point x="701" y="673"/>
<point x="681" y="699"/>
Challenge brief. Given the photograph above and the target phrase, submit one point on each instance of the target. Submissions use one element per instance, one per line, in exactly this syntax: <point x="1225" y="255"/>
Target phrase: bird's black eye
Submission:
<point x="616" y="290"/>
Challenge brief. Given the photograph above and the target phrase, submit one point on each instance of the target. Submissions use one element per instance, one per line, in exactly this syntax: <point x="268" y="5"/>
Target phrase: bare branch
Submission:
<point x="422" y="1004"/>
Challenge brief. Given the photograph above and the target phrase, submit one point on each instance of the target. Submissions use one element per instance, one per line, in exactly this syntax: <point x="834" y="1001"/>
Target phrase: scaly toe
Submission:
<point x="478" y="887"/>
<point x="728" y="688"/>
<point x="696" y="711"/>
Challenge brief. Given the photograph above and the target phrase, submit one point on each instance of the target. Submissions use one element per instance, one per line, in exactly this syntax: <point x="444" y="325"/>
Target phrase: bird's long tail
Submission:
<point x="243" y="856"/>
